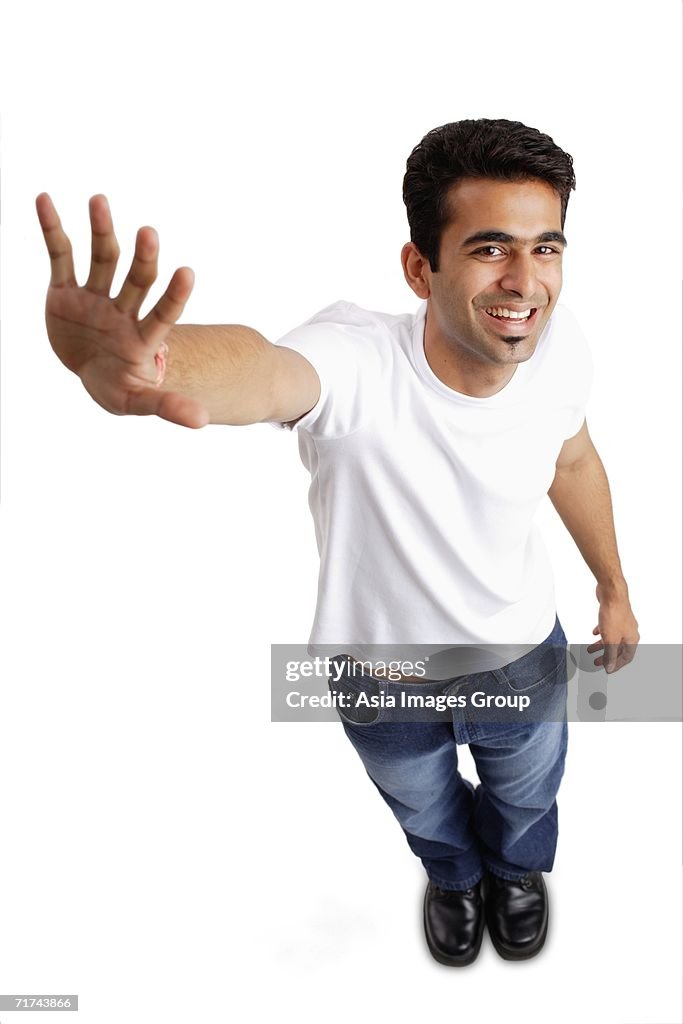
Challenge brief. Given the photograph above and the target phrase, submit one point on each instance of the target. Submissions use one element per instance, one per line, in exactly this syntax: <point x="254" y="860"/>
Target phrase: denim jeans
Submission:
<point x="508" y="823"/>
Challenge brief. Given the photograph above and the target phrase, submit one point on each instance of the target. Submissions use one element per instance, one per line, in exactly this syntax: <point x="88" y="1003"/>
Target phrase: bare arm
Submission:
<point x="191" y="375"/>
<point x="238" y="376"/>
<point x="581" y="496"/>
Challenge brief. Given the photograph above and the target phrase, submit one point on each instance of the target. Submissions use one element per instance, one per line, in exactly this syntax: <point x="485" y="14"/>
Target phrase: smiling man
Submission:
<point x="491" y="284"/>
<point x="431" y="438"/>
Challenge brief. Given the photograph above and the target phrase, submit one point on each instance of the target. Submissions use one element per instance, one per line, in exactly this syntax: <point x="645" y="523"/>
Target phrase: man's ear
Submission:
<point x="416" y="270"/>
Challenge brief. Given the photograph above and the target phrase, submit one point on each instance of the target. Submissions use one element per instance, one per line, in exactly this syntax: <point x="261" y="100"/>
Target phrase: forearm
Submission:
<point x="228" y="368"/>
<point x="581" y="496"/>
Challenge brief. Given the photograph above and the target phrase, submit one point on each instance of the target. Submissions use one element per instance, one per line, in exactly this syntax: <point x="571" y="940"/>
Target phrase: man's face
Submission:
<point x="501" y="251"/>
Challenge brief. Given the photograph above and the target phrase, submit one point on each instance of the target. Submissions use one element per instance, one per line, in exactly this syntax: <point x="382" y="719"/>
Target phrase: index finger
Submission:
<point x="158" y="322"/>
<point x="58" y="245"/>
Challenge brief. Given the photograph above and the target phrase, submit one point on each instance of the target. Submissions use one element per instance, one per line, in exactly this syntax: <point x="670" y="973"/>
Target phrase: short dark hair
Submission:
<point x="505" y="150"/>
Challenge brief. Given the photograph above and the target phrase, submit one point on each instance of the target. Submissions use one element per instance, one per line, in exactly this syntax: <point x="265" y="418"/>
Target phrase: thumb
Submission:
<point x="168" y="405"/>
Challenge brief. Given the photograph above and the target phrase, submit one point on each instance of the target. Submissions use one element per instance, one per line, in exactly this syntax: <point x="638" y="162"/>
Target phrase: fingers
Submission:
<point x="142" y="273"/>
<point x="105" y="254"/>
<point x="155" y="326"/>
<point x="615" y="656"/>
<point x="629" y="652"/>
<point x="105" y="250"/>
<point x="58" y="245"/>
<point x="169" y="406"/>
<point x="596" y="646"/>
<point x="609" y="658"/>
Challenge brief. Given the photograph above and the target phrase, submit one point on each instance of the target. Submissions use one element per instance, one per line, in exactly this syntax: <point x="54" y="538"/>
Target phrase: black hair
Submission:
<point x="500" y="149"/>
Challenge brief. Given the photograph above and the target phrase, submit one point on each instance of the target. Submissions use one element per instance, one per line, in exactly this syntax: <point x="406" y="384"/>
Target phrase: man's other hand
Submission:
<point x="618" y="631"/>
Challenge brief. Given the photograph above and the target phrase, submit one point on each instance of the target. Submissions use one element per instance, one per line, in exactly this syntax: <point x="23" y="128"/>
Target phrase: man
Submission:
<point x="431" y="439"/>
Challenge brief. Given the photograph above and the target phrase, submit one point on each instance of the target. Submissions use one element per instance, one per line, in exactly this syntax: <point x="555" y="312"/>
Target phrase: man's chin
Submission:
<point x="515" y="350"/>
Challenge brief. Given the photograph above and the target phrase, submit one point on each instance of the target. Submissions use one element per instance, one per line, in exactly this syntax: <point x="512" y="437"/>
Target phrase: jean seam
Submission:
<point x="507" y="875"/>
<point x="450" y="886"/>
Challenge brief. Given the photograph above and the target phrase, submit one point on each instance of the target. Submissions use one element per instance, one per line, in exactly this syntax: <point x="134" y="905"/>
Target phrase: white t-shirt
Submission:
<point x="423" y="498"/>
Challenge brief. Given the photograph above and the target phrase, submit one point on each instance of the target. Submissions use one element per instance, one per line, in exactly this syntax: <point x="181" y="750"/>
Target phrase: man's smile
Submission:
<point x="512" y="321"/>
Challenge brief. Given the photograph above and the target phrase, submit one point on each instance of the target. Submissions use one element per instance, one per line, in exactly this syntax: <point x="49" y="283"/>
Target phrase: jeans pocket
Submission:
<point x="359" y="698"/>
<point x="543" y="667"/>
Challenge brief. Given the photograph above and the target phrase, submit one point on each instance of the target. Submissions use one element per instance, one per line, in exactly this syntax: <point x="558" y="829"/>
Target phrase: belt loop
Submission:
<point x="383" y="694"/>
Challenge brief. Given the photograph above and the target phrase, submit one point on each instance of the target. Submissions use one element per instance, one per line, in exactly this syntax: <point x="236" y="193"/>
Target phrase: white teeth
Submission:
<point x="510" y="313"/>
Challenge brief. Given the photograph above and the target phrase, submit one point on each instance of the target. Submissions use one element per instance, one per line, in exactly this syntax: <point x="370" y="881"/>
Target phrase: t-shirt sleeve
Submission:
<point x="342" y="346"/>
<point x="577" y="372"/>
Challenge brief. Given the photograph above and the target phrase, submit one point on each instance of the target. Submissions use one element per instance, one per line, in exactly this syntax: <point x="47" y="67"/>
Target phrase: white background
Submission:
<point x="167" y="852"/>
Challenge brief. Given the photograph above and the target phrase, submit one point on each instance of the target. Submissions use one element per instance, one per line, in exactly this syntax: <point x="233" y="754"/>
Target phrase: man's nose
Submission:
<point x="520" y="275"/>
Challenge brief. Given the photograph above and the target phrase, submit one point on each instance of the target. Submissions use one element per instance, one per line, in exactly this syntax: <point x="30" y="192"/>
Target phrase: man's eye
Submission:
<point x="548" y="250"/>
<point x="488" y="250"/>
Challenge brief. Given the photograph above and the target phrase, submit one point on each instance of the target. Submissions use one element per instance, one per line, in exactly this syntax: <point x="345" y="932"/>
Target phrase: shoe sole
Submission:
<point x="443" y="958"/>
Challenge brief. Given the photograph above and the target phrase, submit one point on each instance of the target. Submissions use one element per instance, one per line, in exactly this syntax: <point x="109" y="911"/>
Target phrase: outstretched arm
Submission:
<point x="581" y="495"/>
<point x="189" y="374"/>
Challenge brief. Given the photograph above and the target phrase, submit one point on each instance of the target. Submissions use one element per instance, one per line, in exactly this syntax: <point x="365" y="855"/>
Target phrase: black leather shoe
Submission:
<point x="516" y="914"/>
<point x="454" y="924"/>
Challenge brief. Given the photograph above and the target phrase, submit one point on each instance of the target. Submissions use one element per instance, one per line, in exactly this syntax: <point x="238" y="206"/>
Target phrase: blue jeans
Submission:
<point x="508" y="823"/>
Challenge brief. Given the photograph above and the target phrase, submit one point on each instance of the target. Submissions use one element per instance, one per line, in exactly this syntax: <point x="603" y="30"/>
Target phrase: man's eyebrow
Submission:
<point x="502" y="236"/>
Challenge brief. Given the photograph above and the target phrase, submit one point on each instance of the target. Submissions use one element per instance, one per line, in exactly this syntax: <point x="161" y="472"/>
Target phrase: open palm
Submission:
<point x="119" y="357"/>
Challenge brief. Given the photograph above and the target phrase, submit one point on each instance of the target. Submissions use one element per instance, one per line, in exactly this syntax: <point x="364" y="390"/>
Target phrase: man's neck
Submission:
<point x="460" y="369"/>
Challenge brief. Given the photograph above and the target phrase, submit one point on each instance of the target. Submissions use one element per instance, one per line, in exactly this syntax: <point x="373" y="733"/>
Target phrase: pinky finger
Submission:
<point x="156" y="325"/>
<point x="58" y="245"/>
